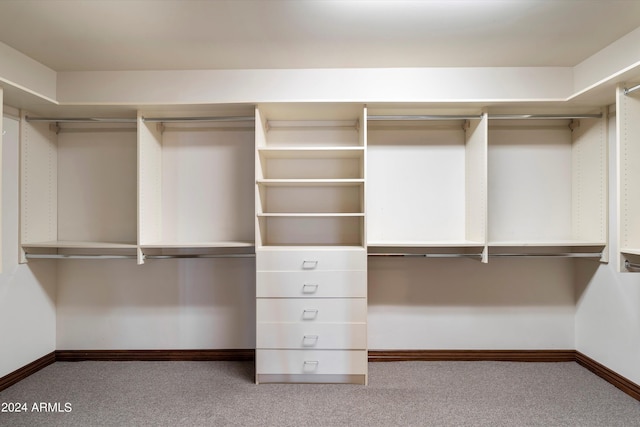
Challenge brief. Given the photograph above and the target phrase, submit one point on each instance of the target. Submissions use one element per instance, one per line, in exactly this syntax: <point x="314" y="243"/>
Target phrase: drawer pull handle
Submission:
<point x="309" y="288"/>
<point x="311" y="365"/>
<point x="310" y="338"/>
<point x="309" y="265"/>
<point x="309" y="314"/>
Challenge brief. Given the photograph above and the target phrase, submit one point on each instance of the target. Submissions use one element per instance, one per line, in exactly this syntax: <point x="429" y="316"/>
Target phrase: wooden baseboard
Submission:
<point x="629" y="387"/>
<point x="472" y="355"/>
<point x="25" y="371"/>
<point x="154" y="355"/>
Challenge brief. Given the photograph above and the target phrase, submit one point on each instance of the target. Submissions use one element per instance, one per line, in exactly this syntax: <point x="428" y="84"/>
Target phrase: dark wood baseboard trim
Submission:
<point x="629" y="387"/>
<point x="22" y="373"/>
<point x="472" y="355"/>
<point x="154" y="355"/>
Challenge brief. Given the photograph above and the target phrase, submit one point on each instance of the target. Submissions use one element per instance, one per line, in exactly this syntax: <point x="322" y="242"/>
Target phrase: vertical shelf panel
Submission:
<point x="149" y="182"/>
<point x="38" y="183"/>
<point x="628" y="141"/>
<point x="476" y="180"/>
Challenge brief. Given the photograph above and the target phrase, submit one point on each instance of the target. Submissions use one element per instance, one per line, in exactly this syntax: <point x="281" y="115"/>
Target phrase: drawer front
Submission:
<point x="311" y="260"/>
<point x="312" y="336"/>
<point x="343" y="362"/>
<point x="311" y="284"/>
<point x="308" y="310"/>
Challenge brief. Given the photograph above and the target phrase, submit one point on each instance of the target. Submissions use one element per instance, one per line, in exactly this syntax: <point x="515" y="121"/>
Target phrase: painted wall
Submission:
<point x="27" y="292"/>
<point x="608" y="302"/>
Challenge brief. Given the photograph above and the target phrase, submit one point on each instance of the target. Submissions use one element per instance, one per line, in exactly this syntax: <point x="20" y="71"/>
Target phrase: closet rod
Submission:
<point x="627" y="91"/>
<point x="81" y="119"/>
<point x="631" y="266"/>
<point x="200" y="256"/>
<point x="544" y="116"/>
<point x="427" y="255"/>
<point x="424" y="117"/>
<point x="61" y="256"/>
<point x="199" y="119"/>
<point x="552" y="255"/>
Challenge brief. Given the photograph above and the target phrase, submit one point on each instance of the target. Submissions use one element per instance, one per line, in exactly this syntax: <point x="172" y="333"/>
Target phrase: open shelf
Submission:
<point x="78" y="186"/>
<point x="547" y="183"/>
<point x="426" y="180"/>
<point x="310" y="175"/>
<point x="196" y="182"/>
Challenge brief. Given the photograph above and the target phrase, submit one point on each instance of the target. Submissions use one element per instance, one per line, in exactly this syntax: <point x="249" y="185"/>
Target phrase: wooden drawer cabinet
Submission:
<point x="311" y="284"/>
<point x="320" y="310"/>
<point x="303" y="335"/>
<point x="311" y="260"/>
<point x="317" y="362"/>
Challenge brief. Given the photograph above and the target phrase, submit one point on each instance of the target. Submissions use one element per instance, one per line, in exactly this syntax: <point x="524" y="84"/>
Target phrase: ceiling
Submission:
<point x="77" y="35"/>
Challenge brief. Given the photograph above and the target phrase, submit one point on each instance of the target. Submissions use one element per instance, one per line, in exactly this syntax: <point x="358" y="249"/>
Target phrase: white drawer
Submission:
<point x="321" y="310"/>
<point x="343" y="362"/>
<point x="311" y="284"/>
<point x="311" y="259"/>
<point x="312" y="335"/>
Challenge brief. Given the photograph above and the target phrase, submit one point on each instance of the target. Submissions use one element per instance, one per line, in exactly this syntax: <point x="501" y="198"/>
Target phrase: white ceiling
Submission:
<point x="79" y="35"/>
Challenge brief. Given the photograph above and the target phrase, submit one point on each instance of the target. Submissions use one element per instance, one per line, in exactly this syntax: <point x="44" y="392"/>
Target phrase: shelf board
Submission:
<point x="316" y="247"/>
<point x="629" y="251"/>
<point x="187" y="245"/>
<point x="310" y="182"/>
<point x="311" y="215"/>
<point x="69" y="244"/>
<point x="311" y="152"/>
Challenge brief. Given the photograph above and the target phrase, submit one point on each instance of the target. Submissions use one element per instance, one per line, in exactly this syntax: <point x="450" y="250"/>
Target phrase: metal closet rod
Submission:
<point x="544" y="116"/>
<point x="423" y="117"/>
<point x="631" y="265"/>
<point x="62" y="256"/>
<point x="627" y="91"/>
<point x="198" y="119"/>
<point x="426" y="255"/>
<point x="82" y="119"/>
<point x="551" y="255"/>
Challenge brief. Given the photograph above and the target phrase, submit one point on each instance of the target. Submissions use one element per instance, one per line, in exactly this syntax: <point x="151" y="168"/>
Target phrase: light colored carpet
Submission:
<point x="399" y="393"/>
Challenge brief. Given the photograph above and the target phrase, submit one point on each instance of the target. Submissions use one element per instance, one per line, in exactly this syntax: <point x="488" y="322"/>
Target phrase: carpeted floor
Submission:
<point x="399" y="393"/>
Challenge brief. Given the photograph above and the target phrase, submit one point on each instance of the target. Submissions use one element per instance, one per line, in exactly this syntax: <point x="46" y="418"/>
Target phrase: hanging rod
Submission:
<point x="426" y="255"/>
<point x="200" y="256"/>
<point x="199" y="119"/>
<point x="627" y="91"/>
<point x="81" y="119"/>
<point x="631" y="265"/>
<point x="552" y="255"/>
<point x="62" y="256"/>
<point x="544" y="116"/>
<point x="424" y="117"/>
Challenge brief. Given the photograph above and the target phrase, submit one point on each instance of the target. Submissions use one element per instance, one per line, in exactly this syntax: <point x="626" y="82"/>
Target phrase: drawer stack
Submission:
<point x="311" y="313"/>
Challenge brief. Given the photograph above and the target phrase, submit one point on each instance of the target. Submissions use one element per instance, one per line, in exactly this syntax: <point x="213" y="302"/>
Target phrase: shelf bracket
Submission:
<point x="53" y="127"/>
<point x="574" y="124"/>
<point x="466" y="124"/>
<point x="160" y="127"/>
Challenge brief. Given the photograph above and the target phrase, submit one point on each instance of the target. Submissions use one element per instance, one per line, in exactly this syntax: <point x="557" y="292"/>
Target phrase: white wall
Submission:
<point x="27" y="292"/>
<point x="516" y="304"/>
<point x="608" y="302"/>
<point x="163" y="304"/>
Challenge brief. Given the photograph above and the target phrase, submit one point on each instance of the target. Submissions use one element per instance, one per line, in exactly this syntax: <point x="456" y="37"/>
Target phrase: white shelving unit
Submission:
<point x="310" y="243"/>
<point x="548" y="184"/>
<point x="78" y="186"/>
<point x="426" y="190"/>
<point x="628" y="141"/>
<point x="195" y="184"/>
